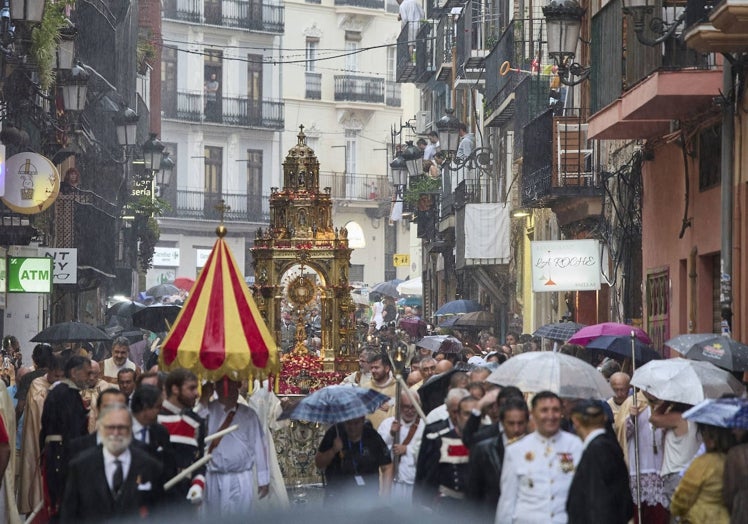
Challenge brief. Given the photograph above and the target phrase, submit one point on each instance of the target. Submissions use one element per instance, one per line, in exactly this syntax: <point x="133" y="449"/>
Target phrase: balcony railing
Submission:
<point x="354" y="88"/>
<point x="415" y="52"/>
<point x="359" y="187"/>
<point x="313" y="86"/>
<point x="368" y="4"/>
<point x="478" y="27"/>
<point x="193" y="204"/>
<point x="234" y="14"/>
<point x="559" y="161"/>
<point x="392" y="94"/>
<point x="619" y="61"/>
<point x="443" y="49"/>
<point x="190" y="107"/>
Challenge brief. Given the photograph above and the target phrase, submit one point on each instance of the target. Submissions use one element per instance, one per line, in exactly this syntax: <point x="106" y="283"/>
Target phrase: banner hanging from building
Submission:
<point x="565" y="265"/>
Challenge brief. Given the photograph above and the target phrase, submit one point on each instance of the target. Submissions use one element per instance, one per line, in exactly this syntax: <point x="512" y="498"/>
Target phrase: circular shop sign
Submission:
<point x="32" y="183"/>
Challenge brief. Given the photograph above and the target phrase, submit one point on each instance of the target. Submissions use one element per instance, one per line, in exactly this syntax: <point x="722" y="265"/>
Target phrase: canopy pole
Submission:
<point x="638" y="499"/>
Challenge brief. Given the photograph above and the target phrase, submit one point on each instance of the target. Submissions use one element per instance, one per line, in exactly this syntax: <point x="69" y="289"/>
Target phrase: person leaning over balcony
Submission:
<point x="410" y="14"/>
<point x="432" y="148"/>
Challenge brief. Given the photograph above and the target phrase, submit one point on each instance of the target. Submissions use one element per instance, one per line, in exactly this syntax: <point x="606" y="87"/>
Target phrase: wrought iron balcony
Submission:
<point x="193" y="204"/>
<point x="478" y="27"/>
<point x="233" y="14"/>
<point x="443" y="50"/>
<point x="313" y="86"/>
<point x="392" y="94"/>
<point x="355" y="88"/>
<point x="358" y="187"/>
<point x="559" y="161"/>
<point x="415" y="52"/>
<point x="233" y="111"/>
<point x="368" y="4"/>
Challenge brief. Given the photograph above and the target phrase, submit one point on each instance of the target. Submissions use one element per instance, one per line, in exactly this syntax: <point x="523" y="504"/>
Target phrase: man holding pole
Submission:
<point x="403" y="437"/>
<point x="230" y="482"/>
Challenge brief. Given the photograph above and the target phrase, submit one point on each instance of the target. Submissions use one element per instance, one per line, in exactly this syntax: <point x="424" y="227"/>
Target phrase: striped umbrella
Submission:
<point x="219" y="331"/>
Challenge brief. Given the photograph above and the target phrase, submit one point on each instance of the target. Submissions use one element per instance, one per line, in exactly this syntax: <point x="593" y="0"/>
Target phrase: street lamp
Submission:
<point x="153" y="151"/>
<point x="399" y="171"/>
<point x="66" y="48"/>
<point x="74" y="89"/>
<point x="413" y="157"/>
<point x="126" y="122"/>
<point x="163" y="175"/>
<point x="563" y="25"/>
<point x="30" y="11"/>
<point x="639" y="10"/>
<point x="449" y="136"/>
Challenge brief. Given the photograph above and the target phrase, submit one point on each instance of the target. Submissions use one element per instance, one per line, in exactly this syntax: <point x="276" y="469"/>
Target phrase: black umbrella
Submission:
<point x="723" y="352"/>
<point x="126" y="308"/>
<point x="70" y="332"/>
<point x="434" y="391"/>
<point x="388" y="288"/>
<point x="156" y="318"/>
<point x="162" y="290"/>
<point x="620" y="347"/>
<point x="476" y="319"/>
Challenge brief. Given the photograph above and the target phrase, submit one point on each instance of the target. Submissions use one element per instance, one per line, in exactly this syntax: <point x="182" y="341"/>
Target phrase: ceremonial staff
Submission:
<point x="638" y="499"/>
<point x="397" y="358"/>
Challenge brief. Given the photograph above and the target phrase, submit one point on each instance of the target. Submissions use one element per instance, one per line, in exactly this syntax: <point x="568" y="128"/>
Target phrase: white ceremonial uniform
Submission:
<point x="536" y="477"/>
<point x="402" y="488"/>
<point x="229" y="484"/>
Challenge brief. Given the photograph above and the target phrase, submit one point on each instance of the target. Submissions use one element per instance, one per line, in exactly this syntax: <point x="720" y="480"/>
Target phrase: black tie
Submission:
<point x="117" y="478"/>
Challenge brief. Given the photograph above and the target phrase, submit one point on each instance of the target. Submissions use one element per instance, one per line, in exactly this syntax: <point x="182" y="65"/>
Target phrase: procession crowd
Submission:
<point x="101" y="440"/>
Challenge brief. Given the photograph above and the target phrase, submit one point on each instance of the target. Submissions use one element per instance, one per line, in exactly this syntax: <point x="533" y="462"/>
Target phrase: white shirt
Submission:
<point x="589" y="438"/>
<point x="410" y="11"/>
<point x="438" y="413"/>
<point x="137" y="431"/>
<point x="110" y="467"/>
<point x="406" y="468"/>
<point x="536" y="477"/>
<point x="430" y="152"/>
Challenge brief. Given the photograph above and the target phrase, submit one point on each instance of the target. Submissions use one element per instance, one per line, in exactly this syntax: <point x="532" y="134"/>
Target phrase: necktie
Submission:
<point x="117" y="478"/>
<point x="143" y="435"/>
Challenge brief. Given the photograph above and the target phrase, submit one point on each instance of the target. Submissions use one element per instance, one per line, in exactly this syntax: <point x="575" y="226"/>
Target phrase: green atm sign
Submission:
<point x="29" y="274"/>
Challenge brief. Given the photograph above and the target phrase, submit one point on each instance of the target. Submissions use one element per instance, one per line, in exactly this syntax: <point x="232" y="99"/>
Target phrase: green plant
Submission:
<point x="145" y="51"/>
<point x="147" y="231"/>
<point x="44" y="40"/>
<point x="419" y="186"/>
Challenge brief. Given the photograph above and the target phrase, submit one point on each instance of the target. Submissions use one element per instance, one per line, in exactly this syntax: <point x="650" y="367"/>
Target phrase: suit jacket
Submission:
<point x="160" y="448"/>
<point x="484" y="477"/>
<point x="475" y="431"/>
<point x="600" y="489"/>
<point x="89" y="499"/>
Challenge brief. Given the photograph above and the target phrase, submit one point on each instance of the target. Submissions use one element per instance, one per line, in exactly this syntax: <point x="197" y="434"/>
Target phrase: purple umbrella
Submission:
<point x="587" y="334"/>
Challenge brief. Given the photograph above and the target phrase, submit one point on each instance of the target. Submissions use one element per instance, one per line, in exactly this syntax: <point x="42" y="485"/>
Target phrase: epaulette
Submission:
<point x="438" y="433"/>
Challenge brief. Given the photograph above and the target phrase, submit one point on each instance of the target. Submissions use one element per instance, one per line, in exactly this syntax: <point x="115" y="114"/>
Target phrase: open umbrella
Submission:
<point x="410" y="301"/>
<point x="414" y="327"/>
<point x="589" y="333"/>
<point x="558" y="330"/>
<point x="686" y="381"/>
<point x="457" y="307"/>
<point x="333" y="404"/>
<point x="476" y="319"/>
<point x="413" y="286"/>
<point x="434" y="391"/>
<point x="682" y="343"/>
<point x="70" y="332"/>
<point x="125" y="308"/>
<point x="721" y="412"/>
<point x="435" y="342"/>
<point x="620" y="347"/>
<point x="721" y="351"/>
<point x="388" y="288"/>
<point x="156" y="318"/>
<point x="220" y="331"/>
<point x="448" y="321"/>
<point x="184" y="283"/>
<point x="567" y="376"/>
<point x="162" y="290"/>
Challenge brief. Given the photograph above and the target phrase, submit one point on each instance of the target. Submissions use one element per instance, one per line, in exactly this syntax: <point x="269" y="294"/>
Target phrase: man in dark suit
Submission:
<point x="146" y="404"/>
<point x="113" y="481"/>
<point x="600" y="489"/>
<point x="474" y="430"/>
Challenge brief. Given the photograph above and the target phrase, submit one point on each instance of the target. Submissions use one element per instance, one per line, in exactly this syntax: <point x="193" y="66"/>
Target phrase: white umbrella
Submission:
<point x="413" y="286"/>
<point x="567" y="376"/>
<point x="686" y="381"/>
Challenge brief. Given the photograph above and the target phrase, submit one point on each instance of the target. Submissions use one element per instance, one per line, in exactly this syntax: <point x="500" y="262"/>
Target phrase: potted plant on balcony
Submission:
<point x="44" y="39"/>
<point x="419" y="194"/>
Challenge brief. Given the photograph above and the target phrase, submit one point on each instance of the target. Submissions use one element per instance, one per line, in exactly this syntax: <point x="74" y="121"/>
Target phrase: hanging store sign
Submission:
<point x="32" y="183"/>
<point x="166" y="257"/>
<point x="30" y="274"/>
<point x="565" y="265"/>
<point x="65" y="265"/>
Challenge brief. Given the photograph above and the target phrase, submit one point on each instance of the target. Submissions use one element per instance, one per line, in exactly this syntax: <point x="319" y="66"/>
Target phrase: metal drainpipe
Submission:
<point x="728" y="137"/>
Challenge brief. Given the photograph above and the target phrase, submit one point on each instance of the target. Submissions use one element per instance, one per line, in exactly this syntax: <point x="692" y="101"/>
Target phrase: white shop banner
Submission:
<point x="565" y="265"/>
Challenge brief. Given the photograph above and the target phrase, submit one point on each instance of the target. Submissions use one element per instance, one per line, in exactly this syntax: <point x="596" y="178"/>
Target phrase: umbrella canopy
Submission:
<point x="71" y="332"/>
<point x="413" y="286"/>
<point x="721" y="412"/>
<point x="558" y="330"/>
<point x="220" y="331"/>
<point x="567" y="376"/>
<point x="477" y="319"/>
<point x="359" y="299"/>
<point x="620" y="347"/>
<point x="156" y="318"/>
<point x="587" y="334"/>
<point x="449" y="321"/>
<point x="682" y="343"/>
<point x="184" y="283"/>
<point x="410" y="301"/>
<point x="435" y="342"/>
<point x="333" y="404"/>
<point x="721" y="351"/>
<point x="388" y="288"/>
<point x="126" y="308"/>
<point x="686" y="381"/>
<point x="457" y="307"/>
<point x="414" y="327"/>
<point x="162" y="290"/>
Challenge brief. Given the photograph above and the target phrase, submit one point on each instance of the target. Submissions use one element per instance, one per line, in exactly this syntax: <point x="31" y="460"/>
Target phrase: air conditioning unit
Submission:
<point x="423" y="122"/>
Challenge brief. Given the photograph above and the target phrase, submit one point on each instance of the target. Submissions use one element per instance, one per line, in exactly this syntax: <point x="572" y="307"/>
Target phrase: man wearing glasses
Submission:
<point x="362" y="377"/>
<point x="112" y="481"/>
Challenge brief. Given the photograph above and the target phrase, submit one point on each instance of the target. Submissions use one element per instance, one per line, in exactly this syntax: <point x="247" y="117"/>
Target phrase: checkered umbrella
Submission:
<point x="333" y="404"/>
<point x="721" y="412"/>
<point x="558" y="331"/>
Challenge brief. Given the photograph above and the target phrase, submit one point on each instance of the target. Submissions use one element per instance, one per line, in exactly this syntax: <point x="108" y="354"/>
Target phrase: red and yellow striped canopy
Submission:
<point x="220" y="331"/>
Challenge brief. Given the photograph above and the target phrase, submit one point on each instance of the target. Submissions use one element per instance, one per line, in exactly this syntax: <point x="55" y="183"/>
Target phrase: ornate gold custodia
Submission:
<point x="301" y="261"/>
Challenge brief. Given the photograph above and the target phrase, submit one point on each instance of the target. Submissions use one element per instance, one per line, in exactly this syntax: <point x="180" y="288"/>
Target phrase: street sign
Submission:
<point x="402" y="260"/>
<point x="29" y="274"/>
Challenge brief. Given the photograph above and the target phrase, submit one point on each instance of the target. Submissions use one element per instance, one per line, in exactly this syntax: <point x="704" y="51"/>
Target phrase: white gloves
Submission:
<point x="195" y="494"/>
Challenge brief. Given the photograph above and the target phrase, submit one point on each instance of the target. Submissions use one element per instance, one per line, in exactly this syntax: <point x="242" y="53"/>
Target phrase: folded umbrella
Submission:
<point x="720" y="412"/>
<point x="585" y="335"/>
<point x="558" y="330"/>
<point x="620" y="347"/>
<point x="333" y="404"/>
<point x="567" y="376"/>
<point x="685" y="381"/>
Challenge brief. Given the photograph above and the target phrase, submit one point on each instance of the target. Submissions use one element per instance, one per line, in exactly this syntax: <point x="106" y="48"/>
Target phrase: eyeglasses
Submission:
<point x="428" y="368"/>
<point x="407" y="406"/>
<point x="119" y="428"/>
